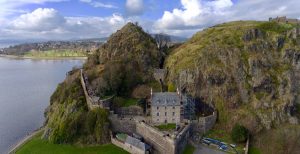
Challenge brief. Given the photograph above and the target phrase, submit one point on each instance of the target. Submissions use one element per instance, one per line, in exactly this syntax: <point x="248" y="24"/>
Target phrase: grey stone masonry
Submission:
<point x="159" y="74"/>
<point x="171" y="107"/>
<point x="92" y="100"/>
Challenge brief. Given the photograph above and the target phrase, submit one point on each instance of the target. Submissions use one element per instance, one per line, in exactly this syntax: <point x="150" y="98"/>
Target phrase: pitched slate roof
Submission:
<point x="165" y="99"/>
<point x="137" y="143"/>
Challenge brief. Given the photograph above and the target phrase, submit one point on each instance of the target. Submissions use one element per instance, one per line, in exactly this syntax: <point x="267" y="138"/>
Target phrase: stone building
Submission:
<point x="130" y="144"/>
<point x="171" y="107"/>
<point x="159" y="74"/>
<point x="284" y="19"/>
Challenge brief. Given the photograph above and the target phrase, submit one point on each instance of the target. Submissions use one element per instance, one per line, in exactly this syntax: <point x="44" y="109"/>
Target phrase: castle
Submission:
<point x="286" y="20"/>
<point x="140" y="128"/>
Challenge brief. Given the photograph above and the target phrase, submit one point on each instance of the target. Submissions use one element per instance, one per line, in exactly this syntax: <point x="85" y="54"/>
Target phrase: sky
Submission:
<point x="79" y="19"/>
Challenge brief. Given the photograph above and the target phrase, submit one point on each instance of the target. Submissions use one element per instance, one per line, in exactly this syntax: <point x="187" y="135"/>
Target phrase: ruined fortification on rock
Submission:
<point x="166" y="108"/>
<point x="286" y="20"/>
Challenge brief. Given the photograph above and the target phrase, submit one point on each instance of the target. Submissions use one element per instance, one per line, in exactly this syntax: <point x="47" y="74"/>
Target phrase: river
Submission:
<point x="25" y="89"/>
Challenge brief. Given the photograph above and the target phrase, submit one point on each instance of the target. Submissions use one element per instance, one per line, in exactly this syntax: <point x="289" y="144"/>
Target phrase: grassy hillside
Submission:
<point x="247" y="70"/>
<point x="125" y="61"/>
<point x="68" y="119"/>
<point x="121" y="64"/>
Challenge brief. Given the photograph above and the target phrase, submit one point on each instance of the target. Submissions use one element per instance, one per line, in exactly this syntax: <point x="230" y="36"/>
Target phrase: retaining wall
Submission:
<point x="204" y="124"/>
<point x="182" y="139"/>
<point x="132" y="110"/>
<point x="124" y="125"/>
<point x="159" y="141"/>
<point x="127" y="147"/>
<point x="92" y="103"/>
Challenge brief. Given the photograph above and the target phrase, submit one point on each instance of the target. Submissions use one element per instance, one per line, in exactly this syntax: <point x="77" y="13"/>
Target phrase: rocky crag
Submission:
<point x="122" y="64"/>
<point x="248" y="70"/>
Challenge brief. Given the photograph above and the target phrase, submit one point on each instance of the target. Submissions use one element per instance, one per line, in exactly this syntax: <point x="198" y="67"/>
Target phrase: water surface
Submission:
<point x="25" y="89"/>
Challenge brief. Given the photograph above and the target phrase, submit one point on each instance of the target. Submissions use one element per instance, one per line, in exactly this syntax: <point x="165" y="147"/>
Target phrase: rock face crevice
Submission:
<point x="245" y="68"/>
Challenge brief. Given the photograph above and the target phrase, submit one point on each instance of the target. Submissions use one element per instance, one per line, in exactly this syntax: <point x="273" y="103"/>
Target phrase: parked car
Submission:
<point x="223" y="147"/>
<point x="233" y="145"/>
<point x="205" y="141"/>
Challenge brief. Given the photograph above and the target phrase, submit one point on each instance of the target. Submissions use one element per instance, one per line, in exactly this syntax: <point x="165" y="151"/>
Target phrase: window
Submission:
<point x="165" y="113"/>
<point x="157" y="108"/>
<point x="173" y="119"/>
<point x="157" y="113"/>
<point x="173" y="107"/>
<point x="157" y="120"/>
<point x="165" y="107"/>
<point x="173" y="113"/>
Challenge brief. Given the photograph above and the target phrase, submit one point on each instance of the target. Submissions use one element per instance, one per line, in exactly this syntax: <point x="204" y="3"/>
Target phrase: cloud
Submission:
<point x="39" y="20"/>
<point x="134" y="7"/>
<point x="47" y="23"/>
<point x="12" y="7"/>
<point x="98" y="4"/>
<point x="194" y="15"/>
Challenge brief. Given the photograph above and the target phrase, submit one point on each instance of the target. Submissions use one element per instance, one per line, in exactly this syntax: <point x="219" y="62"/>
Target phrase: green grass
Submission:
<point x="38" y="146"/>
<point x="253" y="150"/>
<point x="106" y="97"/>
<point x="53" y="53"/>
<point x="189" y="149"/>
<point x="129" y="102"/>
<point x="166" y="127"/>
<point x="275" y="27"/>
<point x="223" y="136"/>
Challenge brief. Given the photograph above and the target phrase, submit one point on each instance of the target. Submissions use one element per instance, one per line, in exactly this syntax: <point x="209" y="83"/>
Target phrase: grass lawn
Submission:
<point x="166" y="127"/>
<point x="129" y="102"/>
<point x="189" y="149"/>
<point x="224" y="136"/>
<point x="253" y="150"/>
<point x="39" y="146"/>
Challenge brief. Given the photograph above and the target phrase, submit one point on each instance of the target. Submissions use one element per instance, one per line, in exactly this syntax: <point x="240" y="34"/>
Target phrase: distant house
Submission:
<point x="171" y="107"/>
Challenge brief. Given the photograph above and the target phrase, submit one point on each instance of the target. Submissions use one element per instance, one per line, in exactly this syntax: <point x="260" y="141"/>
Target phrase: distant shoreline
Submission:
<point x="42" y="58"/>
<point x="20" y="143"/>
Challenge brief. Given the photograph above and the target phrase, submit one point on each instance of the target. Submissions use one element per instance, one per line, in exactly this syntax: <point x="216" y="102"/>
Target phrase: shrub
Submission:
<point x="239" y="133"/>
<point x="171" y="87"/>
<point x="274" y="27"/>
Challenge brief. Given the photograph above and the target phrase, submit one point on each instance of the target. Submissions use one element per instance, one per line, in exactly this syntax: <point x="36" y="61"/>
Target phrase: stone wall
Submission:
<point x="89" y="100"/>
<point x="124" y="125"/>
<point x="182" y="139"/>
<point x="159" y="141"/>
<point x="204" y="124"/>
<point x="94" y="102"/>
<point x="159" y="74"/>
<point x="127" y="147"/>
<point x="132" y="110"/>
<point x="162" y="143"/>
<point x="162" y="118"/>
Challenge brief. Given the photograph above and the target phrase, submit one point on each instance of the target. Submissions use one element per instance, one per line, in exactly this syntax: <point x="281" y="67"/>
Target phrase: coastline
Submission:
<point x="24" y="140"/>
<point x="42" y="58"/>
